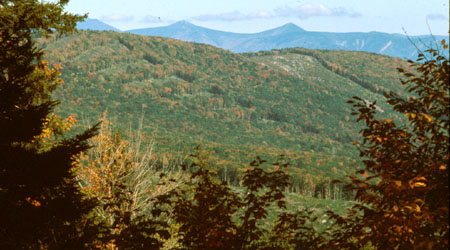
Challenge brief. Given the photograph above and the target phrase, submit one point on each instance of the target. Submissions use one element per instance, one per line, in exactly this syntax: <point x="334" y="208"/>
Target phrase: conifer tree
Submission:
<point x="41" y="205"/>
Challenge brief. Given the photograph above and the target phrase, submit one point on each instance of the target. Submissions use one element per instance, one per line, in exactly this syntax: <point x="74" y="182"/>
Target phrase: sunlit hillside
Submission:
<point x="289" y="102"/>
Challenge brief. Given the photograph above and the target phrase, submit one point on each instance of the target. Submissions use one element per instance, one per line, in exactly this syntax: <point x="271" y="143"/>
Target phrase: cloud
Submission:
<point x="436" y="17"/>
<point x="302" y="12"/>
<point x="306" y="11"/>
<point x="234" y="16"/>
<point x="117" y="18"/>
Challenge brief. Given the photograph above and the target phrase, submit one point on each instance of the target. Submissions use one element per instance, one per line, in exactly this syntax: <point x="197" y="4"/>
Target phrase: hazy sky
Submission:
<point x="249" y="16"/>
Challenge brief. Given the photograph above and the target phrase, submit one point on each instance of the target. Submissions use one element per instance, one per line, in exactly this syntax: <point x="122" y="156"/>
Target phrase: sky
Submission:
<point x="415" y="17"/>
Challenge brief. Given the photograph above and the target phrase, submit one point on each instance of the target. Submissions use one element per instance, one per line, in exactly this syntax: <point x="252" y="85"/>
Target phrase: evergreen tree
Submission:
<point x="41" y="205"/>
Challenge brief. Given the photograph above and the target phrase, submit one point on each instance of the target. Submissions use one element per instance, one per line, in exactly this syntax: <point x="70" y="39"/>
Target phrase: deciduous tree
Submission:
<point x="405" y="196"/>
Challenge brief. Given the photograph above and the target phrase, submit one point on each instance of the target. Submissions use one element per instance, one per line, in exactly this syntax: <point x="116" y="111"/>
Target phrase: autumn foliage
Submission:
<point x="54" y="194"/>
<point x="405" y="197"/>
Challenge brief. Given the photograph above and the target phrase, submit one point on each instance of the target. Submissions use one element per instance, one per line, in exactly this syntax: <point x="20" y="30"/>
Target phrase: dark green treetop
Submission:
<point x="42" y="206"/>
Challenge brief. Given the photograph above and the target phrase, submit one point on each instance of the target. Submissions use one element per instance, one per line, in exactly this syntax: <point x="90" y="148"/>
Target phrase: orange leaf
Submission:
<point x="419" y="184"/>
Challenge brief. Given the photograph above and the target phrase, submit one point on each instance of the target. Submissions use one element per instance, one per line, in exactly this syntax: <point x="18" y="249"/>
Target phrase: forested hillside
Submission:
<point x="162" y="144"/>
<point x="237" y="106"/>
<point x="371" y="71"/>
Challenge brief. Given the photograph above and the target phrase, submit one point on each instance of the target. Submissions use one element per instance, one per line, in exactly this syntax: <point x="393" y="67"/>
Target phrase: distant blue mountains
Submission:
<point x="95" y="24"/>
<point x="286" y="36"/>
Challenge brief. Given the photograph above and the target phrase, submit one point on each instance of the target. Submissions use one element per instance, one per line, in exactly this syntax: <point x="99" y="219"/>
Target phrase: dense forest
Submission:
<point x="161" y="144"/>
<point x="236" y="106"/>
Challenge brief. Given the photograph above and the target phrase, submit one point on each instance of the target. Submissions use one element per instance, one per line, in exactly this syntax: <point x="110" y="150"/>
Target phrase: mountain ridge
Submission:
<point x="289" y="36"/>
<point x="95" y="24"/>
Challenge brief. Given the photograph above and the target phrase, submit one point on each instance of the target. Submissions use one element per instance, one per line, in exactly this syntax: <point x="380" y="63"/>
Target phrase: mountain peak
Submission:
<point x="290" y="27"/>
<point x="285" y="29"/>
<point x="182" y="23"/>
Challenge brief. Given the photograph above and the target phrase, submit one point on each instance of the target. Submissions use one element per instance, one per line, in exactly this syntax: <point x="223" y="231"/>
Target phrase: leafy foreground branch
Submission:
<point x="405" y="194"/>
<point x="212" y="216"/>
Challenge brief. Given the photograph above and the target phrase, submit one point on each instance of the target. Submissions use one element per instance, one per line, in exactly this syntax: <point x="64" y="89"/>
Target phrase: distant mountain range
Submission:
<point x="286" y="36"/>
<point x="95" y="24"/>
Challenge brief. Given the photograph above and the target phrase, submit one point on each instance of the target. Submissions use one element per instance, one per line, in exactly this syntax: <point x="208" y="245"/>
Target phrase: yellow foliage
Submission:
<point x="116" y="169"/>
<point x="33" y="202"/>
<point x="419" y="184"/>
<point x="427" y="117"/>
